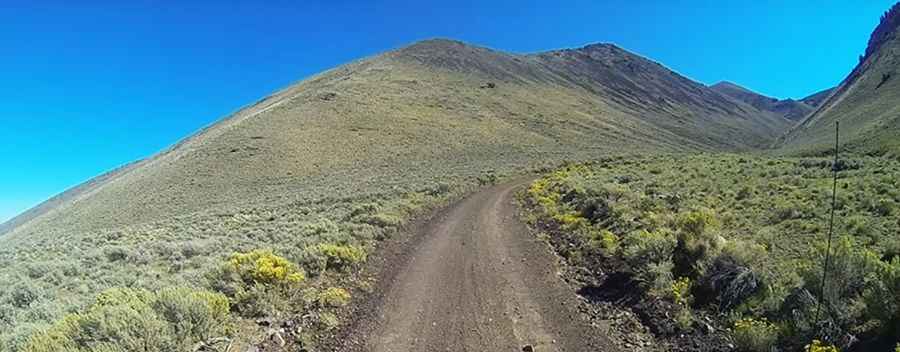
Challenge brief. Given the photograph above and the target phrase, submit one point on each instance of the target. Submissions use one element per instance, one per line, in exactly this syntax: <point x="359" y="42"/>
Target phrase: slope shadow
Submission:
<point x="617" y="288"/>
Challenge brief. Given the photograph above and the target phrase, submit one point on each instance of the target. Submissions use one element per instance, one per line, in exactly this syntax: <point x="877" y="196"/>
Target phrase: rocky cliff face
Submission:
<point x="885" y="31"/>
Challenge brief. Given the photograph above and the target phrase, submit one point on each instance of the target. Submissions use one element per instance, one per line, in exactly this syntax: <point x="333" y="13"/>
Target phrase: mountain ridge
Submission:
<point x="790" y="109"/>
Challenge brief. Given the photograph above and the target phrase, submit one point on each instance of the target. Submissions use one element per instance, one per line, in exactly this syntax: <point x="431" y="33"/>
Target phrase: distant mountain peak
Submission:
<point x="438" y="42"/>
<point x="601" y="46"/>
<point x="434" y="46"/>
<point x="727" y="84"/>
<point x="731" y="86"/>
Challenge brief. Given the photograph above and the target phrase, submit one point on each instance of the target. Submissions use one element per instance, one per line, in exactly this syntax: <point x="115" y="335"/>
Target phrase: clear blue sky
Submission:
<point x="85" y="88"/>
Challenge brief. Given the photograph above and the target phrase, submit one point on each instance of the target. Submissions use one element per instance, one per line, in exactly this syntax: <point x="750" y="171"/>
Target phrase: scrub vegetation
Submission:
<point x="737" y="238"/>
<point x="203" y="280"/>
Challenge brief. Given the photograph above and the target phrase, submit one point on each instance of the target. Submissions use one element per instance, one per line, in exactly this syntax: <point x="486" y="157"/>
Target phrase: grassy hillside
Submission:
<point x="425" y="104"/>
<point x="865" y="103"/>
<point x="734" y="241"/>
<point x="342" y="160"/>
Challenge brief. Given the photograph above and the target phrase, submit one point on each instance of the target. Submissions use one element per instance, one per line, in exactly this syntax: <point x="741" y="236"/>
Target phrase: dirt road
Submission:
<point x="478" y="281"/>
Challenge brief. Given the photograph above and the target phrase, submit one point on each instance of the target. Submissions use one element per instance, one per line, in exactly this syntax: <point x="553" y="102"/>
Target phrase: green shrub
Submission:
<point x="7" y="314"/>
<point x="649" y="255"/>
<point x="363" y="209"/>
<point x="642" y="247"/>
<point x="328" y="321"/>
<point x="116" y="253"/>
<point x="698" y="244"/>
<point x="194" y="315"/>
<point x="383" y="220"/>
<point x="605" y="240"/>
<point x="851" y="273"/>
<point x="23" y="293"/>
<point x="744" y="193"/>
<point x="656" y="277"/>
<point x="594" y="207"/>
<point x="697" y="222"/>
<point x="858" y="226"/>
<point x="731" y="279"/>
<point x="487" y="177"/>
<point x="882" y="296"/>
<point x="123" y="319"/>
<point x="754" y="335"/>
<point x="848" y="271"/>
<point x="340" y="257"/>
<point x="684" y="318"/>
<point x="439" y="189"/>
<point x="882" y="207"/>
<point x="784" y="210"/>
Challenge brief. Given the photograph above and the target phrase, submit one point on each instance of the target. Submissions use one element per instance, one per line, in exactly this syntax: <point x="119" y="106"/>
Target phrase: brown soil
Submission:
<point x="472" y="278"/>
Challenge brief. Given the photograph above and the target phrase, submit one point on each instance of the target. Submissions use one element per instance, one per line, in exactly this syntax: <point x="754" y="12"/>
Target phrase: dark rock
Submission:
<point x="264" y="321"/>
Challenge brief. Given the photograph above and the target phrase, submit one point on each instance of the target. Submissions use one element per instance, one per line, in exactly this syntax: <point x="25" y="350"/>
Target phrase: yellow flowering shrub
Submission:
<point x="819" y="346"/>
<point x="755" y="335"/>
<point x="545" y="191"/>
<point x="333" y="297"/>
<point x="264" y="267"/>
<point x="258" y="283"/>
<point x="681" y="291"/>
<point x="609" y="240"/>
<point x="697" y="222"/>
<point x="571" y="220"/>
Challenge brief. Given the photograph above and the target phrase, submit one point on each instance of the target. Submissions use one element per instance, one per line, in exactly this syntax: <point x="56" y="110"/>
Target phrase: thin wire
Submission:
<point x="834" y="169"/>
